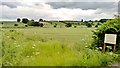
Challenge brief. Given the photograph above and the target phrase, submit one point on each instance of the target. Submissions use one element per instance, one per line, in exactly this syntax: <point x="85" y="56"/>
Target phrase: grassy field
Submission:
<point x="37" y="46"/>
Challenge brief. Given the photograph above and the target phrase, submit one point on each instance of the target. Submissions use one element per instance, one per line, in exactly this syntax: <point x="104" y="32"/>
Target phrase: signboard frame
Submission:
<point x="110" y="39"/>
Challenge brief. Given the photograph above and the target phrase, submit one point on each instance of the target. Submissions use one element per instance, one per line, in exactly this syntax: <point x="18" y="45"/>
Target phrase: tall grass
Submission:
<point x="51" y="47"/>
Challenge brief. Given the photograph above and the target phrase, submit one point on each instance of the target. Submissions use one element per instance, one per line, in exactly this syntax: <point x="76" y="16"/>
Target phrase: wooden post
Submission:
<point x="114" y="49"/>
<point x="104" y="47"/>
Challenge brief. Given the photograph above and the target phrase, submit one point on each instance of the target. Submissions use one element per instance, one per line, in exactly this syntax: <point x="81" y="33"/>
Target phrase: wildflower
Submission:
<point x="27" y="56"/>
<point x="111" y="53"/>
<point x="33" y="47"/>
<point x="37" y="53"/>
<point x="18" y="46"/>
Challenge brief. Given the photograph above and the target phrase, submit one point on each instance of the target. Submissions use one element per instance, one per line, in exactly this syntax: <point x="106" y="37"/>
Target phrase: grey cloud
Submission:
<point x="82" y="5"/>
<point x="11" y="4"/>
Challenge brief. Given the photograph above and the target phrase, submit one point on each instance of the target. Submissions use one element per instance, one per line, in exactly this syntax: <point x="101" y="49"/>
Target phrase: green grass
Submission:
<point x="0" y="45"/>
<point x="51" y="47"/>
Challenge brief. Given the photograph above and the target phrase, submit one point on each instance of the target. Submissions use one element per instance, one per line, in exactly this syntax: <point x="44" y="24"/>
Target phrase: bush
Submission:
<point x="18" y="19"/>
<point x="36" y="24"/>
<point x="25" y="20"/>
<point x="96" y="25"/>
<point x="41" y="24"/>
<point x="31" y="22"/>
<point x="26" y="25"/>
<point x="15" y="24"/>
<point x="2" y="23"/>
<point x="68" y="25"/>
<point x="55" y="25"/>
<point x="88" y="24"/>
<point x="109" y="27"/>
<point x="75" y="26"/>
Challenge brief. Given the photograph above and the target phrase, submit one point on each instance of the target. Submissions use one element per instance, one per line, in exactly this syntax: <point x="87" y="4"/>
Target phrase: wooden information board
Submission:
<point x="110" y="39"/>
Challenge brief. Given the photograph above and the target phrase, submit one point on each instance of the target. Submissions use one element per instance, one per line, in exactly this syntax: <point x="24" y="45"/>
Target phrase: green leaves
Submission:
<point x="110" y="27"/>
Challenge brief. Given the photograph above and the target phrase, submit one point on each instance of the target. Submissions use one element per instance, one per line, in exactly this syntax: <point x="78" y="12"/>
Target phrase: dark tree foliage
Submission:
<point x="41" y="24"/>
<point x="26" y="25"/>
<point x="68" y="25"/>
<point x="15" y="24"/>
<point x="25" y="20"/>
<point x="18" y="19"/>
<point x="96" y="25"/>
<point x="109" y="27"/>
<point x="75" y="26"/>
<point x="31" y="22"/>
<point x="41" y="20"/>
<point x="88" y="24"/>
<point x="55" y="25"/>
<point x="104" y="20"/>
<point x="36" y="24"/>
<point x="2" y="23"/>
<point x="81" y="20"/>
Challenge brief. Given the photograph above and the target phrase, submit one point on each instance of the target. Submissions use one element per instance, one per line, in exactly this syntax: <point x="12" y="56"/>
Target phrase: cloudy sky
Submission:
<point x="58" y="10"/>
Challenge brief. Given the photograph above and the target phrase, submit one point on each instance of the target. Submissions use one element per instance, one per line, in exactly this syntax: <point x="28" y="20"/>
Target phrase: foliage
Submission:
<point x="96" y="25"/>
<point x="88" y="24"/>
<point x="75" y="26"/>
<point x="41" y="24"/>
<point x="55" y="25"/>
<point x="109" y="27"/>
<point x="2" y="23"/>
<point x="41" y="20"/>
<point x="25" y="20"/>
<point x="15" y="24"/>
<point x="68" y="25"/>
<point x="35" y="49"/>
<point x="18" y="19"/>
<point x="104" y="20"/>
<point x="30" y="23"/>
<point x="26" y="25"/>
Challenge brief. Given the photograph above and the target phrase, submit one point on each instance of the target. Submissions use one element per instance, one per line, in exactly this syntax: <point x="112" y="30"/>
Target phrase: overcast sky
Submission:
<point x="58" y="10"/>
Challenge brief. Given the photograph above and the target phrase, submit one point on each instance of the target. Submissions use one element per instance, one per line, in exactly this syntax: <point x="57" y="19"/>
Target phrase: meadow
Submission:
<point x="36" y="46"/>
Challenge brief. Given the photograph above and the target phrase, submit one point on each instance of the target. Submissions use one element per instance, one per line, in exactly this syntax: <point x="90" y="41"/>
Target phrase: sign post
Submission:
<point x="110" y="39"/>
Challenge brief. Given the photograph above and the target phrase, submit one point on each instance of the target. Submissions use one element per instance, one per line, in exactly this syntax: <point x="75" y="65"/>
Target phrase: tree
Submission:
<point x="41" y="20"/>
<point x="55" y="25"/>
<point x="104" y="20"/>
<point x="81" y="20"/>
<point x="18" y="19"/>
<point x="96" y="25"/>
<point x="110" y="27"/>
<point x="68" y="25"/>
<point x="88" y="24"/>
<point x="31" y="22"/>
<point x="15" y="24"/>
<point x="41" y="24"/>
<point x="36" y="24"/>
<point x="2" y="23"/>
<point x="25" y="20"/>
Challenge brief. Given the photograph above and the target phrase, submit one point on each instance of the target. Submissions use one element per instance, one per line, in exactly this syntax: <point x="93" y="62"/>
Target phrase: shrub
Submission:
<point x="75" y="26"/>
<point x="15" y="24"/>
<point x="26" y="25"/>
<point x="36" y="24"/>
<point x="68" y="25"/>
<point x="112" y="27"/>
<point x="88" y="24"/>
<point x="18" y="19"/>
<point x="2" y="23"/>
<point x="25" y="20"/>
<point x="31" y="22"/>
<point x="41" y="20"/>
<point x="96" y="25"/>
<point x="41" y="24"/>
<point x="55" y="25"/>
